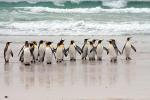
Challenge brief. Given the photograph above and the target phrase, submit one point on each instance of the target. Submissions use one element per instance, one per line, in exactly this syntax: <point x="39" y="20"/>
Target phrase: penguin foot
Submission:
<point x="99" y="59"/>
<point x="49" y="63"/>
<point x="27" y="64"/>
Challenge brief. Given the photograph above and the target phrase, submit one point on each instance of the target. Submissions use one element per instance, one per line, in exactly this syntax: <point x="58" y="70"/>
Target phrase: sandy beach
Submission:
<point x="80" y="80"/>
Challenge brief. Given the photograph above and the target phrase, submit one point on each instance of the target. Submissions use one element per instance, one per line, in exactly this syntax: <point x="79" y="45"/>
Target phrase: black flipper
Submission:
<point x="83" y="47"/>
<point x="78" y="49"/>
<point x="106" y="50"/>
<point x="65" y="51"/>
<point x="20" y="50"/>
<point x="133" y="48"/>
<point x="5" y="53"/>
<point x="123" y="48"/>
<point x="11" y="53"/>
<point x="93" y="49"/>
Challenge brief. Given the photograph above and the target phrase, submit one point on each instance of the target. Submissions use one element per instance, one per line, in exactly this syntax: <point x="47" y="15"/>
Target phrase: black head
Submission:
<point x="110" y="41"/>
<point x="91" y="43"/>
<point x="100" y="41"/>
<point x="41" y="42"/>
<point x="31" y="44"/>
<point x="48" y="43"/>
<point x="129" y="38"/>
<point x="34" y="42"/>
<point x="72" y="41"/>
<point x="26" y="42"/>
<point x="8" y="43"/>
<point x="93" y="40"/>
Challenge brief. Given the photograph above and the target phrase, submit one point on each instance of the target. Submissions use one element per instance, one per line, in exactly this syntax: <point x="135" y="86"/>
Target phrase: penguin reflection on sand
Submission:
<point x="41" y="50"/>
<point x="99" y="50"/>
<point x="112" y="52"/>
<point x="127" y="47"/>
<point x="7" y="52"/>
<point x="72" y="50"/>
<point x="48" y="54"/>
<point x="85" y="49"/>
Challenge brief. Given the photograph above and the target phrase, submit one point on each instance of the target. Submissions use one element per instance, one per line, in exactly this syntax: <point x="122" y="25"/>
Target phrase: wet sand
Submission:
<point x="80" y="80"/>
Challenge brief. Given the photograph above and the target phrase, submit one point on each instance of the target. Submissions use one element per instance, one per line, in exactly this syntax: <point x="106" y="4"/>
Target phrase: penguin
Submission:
<point x="7" y="52"/>
<point x="21" y="51"/>
<point x="48" y="54"/>
<point x="27" y="55"/>
<point x="60" y="50"/>
<point x="99" y="50"/>
<point x="85" y="49"/>
<point x="41" y="49"/>
<point x="72" y="50"/>
<point x="115" y="47"/>
<point x="112" y="52"/>
<point x="91" y="53"/>
<point x="35" y="52"/>
<point x="127" y="47"/>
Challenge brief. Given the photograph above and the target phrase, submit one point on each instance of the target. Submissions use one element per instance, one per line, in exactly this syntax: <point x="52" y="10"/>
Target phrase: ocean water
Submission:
<point x="74" y="17"/>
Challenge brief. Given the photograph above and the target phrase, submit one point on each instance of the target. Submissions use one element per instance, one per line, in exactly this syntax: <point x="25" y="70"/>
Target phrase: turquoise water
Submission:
<point x="58" y="17"/>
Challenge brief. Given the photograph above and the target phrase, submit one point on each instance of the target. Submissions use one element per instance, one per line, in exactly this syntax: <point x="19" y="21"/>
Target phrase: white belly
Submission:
<point x="127" y="49"/>
<point x="35" y="53"/>
<point x="41" y="52"/>
<point x="27" y="56"/>
<point x="8" y="54"/>
<point x="72" y="52"/>
<point x="59" y="53"/>
<point x="99" y="51"/>
<point x="48" y="55"/>
<point x="112" y="52"/>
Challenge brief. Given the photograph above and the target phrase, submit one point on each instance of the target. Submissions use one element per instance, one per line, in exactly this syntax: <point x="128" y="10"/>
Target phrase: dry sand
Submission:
<point x="80" y="80"/>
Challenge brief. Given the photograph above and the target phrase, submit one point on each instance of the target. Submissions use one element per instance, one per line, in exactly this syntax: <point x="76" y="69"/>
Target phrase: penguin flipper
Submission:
<point x="82" y="48"/>
<point x="20" y="50"/>
<point x="106" y="50"/>
<point x="93" y="49"/>
<point x="78" y="49"/>
<point x="123" y="48"/>
<point x="65" y="52"/>
<point x="133" y="48"/>
<point x="11" y="53"/>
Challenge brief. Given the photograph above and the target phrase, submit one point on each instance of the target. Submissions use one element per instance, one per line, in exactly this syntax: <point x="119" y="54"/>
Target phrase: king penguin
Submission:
<point x="72" y="50"/>
<point x="127" y="48"/>
<point x="112" y="52"/>
<point x="100" y="49"/>
<point x="91" y="53"/>
<point x="48" y="55"/>
<point x="85" y="49"/>
<point x="60" y="51"/>
<point x="41" y="50"/>
<point x="7" y="52"/>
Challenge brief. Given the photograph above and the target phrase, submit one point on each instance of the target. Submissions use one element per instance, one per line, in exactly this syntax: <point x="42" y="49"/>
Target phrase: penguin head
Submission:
<point x="48" y="43"/>
<point x="26" y="42"/>
<point x="34" y="42"/>
<point x="72" y="42"/>
<point x="31" y="44"/>
<point x="128" y="38"/>
<point x="110" y="41"/>
<point x="8" y="43"/>
<point x="100" y="41"/>
<point x="85" y="40"/>
<point x="91" y="43"/>
<point x="41" y="42"/>
<point x="93" y="40"/>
